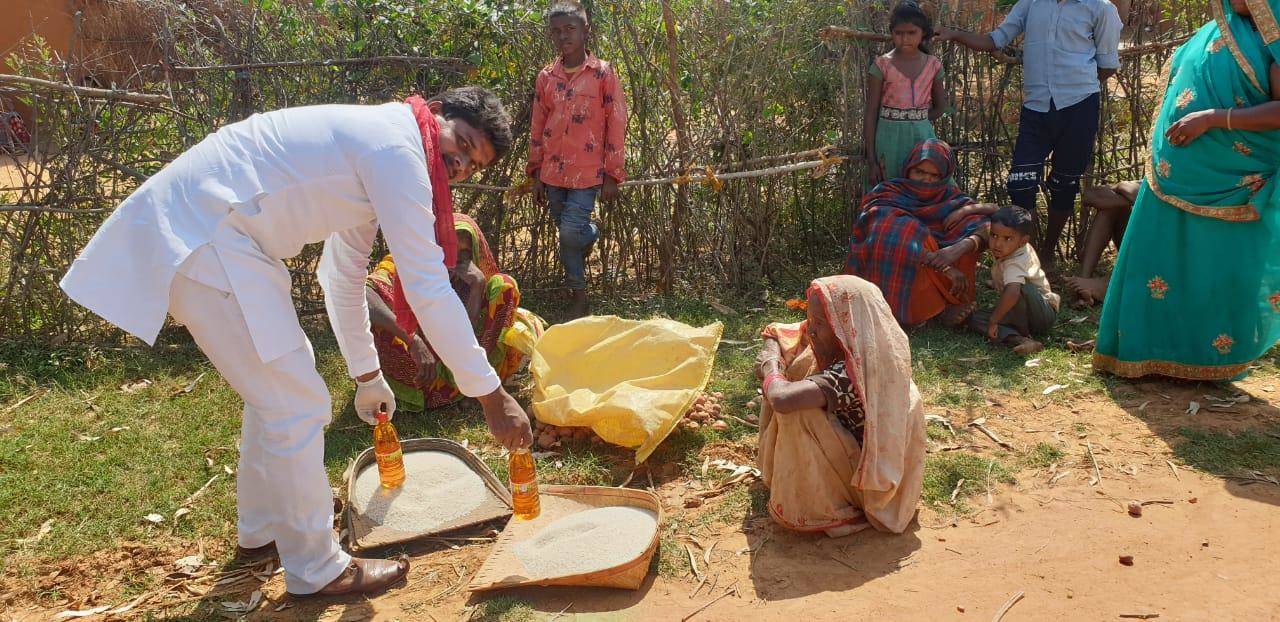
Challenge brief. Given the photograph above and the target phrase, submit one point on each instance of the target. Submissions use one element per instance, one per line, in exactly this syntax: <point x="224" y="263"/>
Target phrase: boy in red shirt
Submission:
<point x="576" y="144"/>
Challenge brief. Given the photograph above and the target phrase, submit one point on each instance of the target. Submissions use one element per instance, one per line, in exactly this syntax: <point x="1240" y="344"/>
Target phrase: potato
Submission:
<point x="720" y="426"/>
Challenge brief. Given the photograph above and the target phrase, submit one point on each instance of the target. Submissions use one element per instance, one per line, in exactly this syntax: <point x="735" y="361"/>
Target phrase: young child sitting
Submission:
<point x="576" y="140"/>
<point x="1027" y="307"/>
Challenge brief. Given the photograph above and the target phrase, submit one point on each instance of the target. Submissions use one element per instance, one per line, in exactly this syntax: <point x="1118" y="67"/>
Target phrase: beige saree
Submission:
<point x="820" y="477"/>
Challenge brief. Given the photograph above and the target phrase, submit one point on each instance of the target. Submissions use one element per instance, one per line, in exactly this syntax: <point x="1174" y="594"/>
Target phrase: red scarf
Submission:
<point x="442" y="206"/>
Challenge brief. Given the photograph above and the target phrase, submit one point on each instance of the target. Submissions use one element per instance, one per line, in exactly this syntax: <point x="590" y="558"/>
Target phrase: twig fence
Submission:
<point x="710" y="205"/>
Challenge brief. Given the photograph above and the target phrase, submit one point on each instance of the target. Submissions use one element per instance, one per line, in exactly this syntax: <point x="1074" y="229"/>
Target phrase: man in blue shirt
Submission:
<point x="1070" y="49"/>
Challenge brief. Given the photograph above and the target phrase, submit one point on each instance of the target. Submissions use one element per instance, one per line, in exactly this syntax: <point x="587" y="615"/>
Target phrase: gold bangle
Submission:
<point x="1229" y="111"/>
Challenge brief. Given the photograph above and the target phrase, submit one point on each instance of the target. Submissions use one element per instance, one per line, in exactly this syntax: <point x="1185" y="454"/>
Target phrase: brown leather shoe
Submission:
<point x="364" y="576"/>
<point x="246" y="556"/>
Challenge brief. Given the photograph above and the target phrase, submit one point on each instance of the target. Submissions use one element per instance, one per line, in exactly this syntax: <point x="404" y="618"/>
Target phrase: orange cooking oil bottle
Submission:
<point x="524" y="485"/>
<point x="386" y="449"/>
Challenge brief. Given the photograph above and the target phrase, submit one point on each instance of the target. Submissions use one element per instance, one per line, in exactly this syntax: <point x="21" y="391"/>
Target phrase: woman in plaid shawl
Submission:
<point x="919" y="239"/>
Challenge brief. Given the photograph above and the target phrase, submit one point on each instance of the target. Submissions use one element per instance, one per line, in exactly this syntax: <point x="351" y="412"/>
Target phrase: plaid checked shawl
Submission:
<point x="888" y="240"/>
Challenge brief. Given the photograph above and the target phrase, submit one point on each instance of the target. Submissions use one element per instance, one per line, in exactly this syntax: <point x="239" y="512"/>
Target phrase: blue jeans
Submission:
<point x="571" y="210"/>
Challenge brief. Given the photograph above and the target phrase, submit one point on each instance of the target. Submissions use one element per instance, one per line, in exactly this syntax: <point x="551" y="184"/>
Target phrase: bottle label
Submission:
<point x="389" y="458"/>
<point x="524" y="488"/>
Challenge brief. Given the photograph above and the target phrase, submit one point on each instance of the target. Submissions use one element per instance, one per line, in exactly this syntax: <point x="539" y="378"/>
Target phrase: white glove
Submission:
<point x="370" y="396"/>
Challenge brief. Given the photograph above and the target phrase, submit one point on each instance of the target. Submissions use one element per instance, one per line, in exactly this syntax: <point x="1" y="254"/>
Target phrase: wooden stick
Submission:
<point x="699" y="587"/>
<point x="742" y="421"/>
<point x="1007" y="606"/>
<point x="1173" y="468"/>
<point x="693" y="565"/>
<point x="115" y="95"/>
<point x="991" y="435"/>
<point x="37" y="209"/>
<point x="438" y="61"/>
<point x="727" y="592"/>
<point x="957" y="490"/>
<point x="557" y="616"/>
<point x="692" y="178"/>
<point x="1140" y="616"/>
<point x="23" y="401"/>
<point x="1097" y="475"/>
<point x="829" y="33"/>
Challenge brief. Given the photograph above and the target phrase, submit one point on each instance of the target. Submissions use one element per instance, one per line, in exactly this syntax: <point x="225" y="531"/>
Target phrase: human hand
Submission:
<point x="955" y="217"/>
<point x="425" y="361"/>
<point x="507" y="420"/>
<point x="609" y="190"/>
<point x="1187" y="129"/>
<point x="944" y="34"/>
<point x="993" y="331"/>
<point x="371" y="394"/>
<point x="539" y="193"/>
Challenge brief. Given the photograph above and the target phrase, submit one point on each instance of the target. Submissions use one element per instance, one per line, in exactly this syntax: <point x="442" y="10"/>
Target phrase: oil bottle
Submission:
<point x="524" y="485"/>
<point x="386" y="448"/>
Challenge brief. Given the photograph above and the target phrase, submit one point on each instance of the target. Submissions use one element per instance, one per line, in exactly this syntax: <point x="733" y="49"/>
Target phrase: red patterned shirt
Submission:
<point x="579" y="126"/>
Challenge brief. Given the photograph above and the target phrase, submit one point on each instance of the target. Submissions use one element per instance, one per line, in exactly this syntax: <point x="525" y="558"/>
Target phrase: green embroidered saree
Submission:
<point x="1196" y="289"/>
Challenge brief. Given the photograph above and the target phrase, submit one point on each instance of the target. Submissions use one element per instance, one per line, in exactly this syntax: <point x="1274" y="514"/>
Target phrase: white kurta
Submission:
<point x="204" y="240"/>
<point x="256" y="192"/>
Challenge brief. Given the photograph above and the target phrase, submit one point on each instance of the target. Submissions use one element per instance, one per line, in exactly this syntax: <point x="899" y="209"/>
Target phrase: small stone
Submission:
<point x="1126" y="560"/>
<point x="1192" y="500"/>
<point x="959" y="608"/>
<point x="1135" y="508"/>
<point x="693" y="502"/>
<point x="1205" y="544"/>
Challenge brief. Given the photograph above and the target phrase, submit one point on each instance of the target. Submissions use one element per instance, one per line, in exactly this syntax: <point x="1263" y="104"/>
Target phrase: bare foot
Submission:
<point x="955" y="315"/>
<point x="1090" y="290"/>
<point x="1027" y="347"/>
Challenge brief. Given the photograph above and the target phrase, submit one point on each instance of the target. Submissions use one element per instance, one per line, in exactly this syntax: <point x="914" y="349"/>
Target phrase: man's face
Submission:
<point x="465" y="148"/>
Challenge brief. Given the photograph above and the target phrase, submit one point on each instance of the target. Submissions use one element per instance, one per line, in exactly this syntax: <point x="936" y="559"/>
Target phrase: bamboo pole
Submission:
<point x="439" y="62"/>
<point x="84" y="91"/>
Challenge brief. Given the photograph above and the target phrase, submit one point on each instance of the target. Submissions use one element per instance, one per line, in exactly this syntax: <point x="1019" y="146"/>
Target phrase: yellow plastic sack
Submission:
<point x="628" y="380"/>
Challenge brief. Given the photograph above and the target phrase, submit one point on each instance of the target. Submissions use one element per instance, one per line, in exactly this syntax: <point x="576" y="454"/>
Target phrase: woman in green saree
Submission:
<point x="1196" y="289"/>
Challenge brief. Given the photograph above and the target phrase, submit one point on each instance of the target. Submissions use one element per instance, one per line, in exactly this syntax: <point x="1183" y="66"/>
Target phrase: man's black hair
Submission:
<point x="483" y="110"/>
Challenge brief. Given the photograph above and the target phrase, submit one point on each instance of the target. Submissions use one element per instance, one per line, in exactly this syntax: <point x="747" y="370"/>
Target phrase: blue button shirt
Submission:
<point x="1066" y="42"/>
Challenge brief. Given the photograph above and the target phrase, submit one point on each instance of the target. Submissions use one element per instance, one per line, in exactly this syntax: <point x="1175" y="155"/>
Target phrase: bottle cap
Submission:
<point x="381" y="416"/>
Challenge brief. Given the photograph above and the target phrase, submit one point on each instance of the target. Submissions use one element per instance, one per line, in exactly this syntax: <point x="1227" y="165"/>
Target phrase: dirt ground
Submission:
<point x="1204" y="549"/>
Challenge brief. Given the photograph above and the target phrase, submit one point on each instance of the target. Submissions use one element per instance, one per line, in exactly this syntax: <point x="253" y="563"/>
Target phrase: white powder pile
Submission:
<point x="438" y="488"/>
<point x="588" y="541"/>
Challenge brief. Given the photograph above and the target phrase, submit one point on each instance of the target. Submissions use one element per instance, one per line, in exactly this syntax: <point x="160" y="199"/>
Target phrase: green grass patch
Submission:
<point x="672" y="560"/>
<point x="1040" y="456"/>
<point x="942" y="472"/>
<point x="507" y="609"/>
<point x="1223" y="453"/>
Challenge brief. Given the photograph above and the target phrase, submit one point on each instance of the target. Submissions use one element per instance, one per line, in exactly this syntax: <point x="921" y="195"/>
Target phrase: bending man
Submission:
<point x="203" y="240"/>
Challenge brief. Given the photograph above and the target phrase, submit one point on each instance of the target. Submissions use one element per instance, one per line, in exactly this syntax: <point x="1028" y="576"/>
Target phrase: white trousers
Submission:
<point x="283" y="492"/>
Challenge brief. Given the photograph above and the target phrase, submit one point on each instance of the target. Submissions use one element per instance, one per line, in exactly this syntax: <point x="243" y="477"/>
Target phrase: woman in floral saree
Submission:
<point x="1196" y="289"/>
<point x="919" y="239"/>
<point x="492" y="299"/>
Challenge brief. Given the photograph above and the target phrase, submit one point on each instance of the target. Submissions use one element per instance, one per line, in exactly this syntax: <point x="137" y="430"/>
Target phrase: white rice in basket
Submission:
<point x="588" y="541"/>
<point x="438" y="488"/>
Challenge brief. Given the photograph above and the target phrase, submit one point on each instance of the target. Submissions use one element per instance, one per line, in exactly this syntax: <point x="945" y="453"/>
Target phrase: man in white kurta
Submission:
<point x="204" y="239"/>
